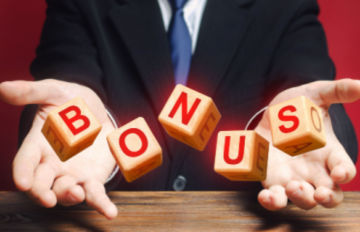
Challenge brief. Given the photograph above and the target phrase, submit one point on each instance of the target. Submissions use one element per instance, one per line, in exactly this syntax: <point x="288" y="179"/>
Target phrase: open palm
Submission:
<point x="311" y="178"/>
<point x="36" y="167"/>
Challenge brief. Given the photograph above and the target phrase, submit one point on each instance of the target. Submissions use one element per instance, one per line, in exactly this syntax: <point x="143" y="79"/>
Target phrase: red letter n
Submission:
<point x="185" y="115"/>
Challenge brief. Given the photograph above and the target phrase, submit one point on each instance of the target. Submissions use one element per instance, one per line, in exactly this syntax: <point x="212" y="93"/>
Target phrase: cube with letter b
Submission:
<point x="241" y="155"/>
<point x="297" y="126"/>
<point x="71" y="128"/>
<point x="190" y="117"/>
<point x="135" y="149"/>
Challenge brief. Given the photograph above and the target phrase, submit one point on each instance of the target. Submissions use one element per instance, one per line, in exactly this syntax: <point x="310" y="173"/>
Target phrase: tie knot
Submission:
<point x="177" y="4"/>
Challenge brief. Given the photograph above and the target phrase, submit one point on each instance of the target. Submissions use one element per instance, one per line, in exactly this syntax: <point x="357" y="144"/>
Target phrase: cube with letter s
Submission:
<point x="297" y="126"/>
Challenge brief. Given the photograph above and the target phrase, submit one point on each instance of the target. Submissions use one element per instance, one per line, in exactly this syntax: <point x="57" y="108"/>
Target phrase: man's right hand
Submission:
<point x="36" y="167"/>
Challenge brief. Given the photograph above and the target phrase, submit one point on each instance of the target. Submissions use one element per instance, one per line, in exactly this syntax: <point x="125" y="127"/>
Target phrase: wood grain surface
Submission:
<point x="178" y="211"/>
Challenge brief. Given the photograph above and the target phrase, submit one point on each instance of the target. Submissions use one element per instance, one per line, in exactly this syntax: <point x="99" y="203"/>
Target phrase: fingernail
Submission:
<point x="72" y="198"/>
<point x="327" y="200"/>
<point x="297" y="193"/>
<point x="267" y="199"/>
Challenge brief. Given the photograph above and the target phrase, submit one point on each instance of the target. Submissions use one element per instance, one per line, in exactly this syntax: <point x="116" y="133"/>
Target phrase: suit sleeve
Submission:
<point x="302" y="57"/>
<point x="66" y="52"/>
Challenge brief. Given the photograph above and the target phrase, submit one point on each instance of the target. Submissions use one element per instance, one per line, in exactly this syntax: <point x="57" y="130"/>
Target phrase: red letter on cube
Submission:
<point x="189" y="117"/>
<point x="71" y="128"/>
<point x="297" y="126"/>
<point x="135" y="149"/>
<point x="241" y="155"/>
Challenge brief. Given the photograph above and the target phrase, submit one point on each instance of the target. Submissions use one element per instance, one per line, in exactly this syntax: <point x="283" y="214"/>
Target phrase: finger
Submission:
<point x="339" y="91"/>
<point x="342" y="169"/>
<point x="30" y="92"/>
<point x="41" y="189"/>
<point x="273" y="198"/>
<point x="321" y="178"/>
<point x="67" y="191"/>
<point x="26" y="160"/>
<point x="328" y="198"/>
<point x="96" y="197"/>
<point x="301" y="194"/>
<point x="342" y="174"/>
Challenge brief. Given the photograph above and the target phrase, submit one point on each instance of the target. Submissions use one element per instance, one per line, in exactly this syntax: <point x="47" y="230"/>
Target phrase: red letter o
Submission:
<point x="124" y="147"/>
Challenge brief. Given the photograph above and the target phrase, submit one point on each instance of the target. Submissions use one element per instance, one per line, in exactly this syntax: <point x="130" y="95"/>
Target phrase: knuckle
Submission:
<point x="352" y="172"/>
<point x="91" y="188"/>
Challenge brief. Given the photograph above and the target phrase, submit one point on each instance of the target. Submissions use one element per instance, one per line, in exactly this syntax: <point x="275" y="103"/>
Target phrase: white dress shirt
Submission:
<point x="193" y="12"/>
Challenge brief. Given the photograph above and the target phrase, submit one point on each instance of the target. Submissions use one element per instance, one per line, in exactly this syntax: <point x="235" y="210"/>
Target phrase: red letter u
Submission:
<point x="240" y="155"/>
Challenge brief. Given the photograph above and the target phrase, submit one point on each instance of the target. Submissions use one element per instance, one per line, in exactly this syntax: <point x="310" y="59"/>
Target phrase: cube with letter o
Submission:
<point x="135" y="149"/>
<point x="71" y="128"/>
<point x="241" y="155"/>
<point x="297" y="126"/>
<point x="190" y="117"/>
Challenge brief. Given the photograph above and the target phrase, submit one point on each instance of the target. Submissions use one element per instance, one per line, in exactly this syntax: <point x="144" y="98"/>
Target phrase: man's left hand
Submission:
<point x="312" y="178"/>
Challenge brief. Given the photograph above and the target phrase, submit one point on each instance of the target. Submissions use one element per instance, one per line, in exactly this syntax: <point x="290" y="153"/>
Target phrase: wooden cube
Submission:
<point x="135" y="149"/>
<point x="190" y="117"/>
<point x="71" y="128"/>
<point x="297" y="126"/>
<point x="241" y="155"/>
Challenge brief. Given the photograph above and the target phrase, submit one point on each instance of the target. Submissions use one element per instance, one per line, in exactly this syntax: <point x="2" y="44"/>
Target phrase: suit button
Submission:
<point x="179" y="183"/>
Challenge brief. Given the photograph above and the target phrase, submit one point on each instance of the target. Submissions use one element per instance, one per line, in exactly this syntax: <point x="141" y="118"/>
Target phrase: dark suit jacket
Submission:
<point x="247" y="51"/>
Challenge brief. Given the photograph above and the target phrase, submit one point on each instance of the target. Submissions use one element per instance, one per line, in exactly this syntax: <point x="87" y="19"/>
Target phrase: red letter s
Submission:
<point x="292" y="118"/>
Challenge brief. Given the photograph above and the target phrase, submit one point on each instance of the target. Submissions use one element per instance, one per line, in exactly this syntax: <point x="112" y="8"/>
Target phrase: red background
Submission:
<point x="21" y="22"/>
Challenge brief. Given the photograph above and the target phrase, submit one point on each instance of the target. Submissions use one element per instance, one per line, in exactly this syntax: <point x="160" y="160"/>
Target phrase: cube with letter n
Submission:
<point x="71" y="128"/>
<point x="190" y="117"/>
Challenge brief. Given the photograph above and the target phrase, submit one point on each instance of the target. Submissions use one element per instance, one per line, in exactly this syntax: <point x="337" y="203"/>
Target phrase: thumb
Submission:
<point x="339" y="91"/>
<point x="30" y="92"/>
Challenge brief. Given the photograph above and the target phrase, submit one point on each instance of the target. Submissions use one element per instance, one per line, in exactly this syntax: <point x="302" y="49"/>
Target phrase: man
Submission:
<point x="127" y="55"/>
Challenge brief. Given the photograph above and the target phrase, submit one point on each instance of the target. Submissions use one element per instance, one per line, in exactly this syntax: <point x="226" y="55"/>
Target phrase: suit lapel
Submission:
<point x="140" y="25"/>
<point x="224" y="23"/>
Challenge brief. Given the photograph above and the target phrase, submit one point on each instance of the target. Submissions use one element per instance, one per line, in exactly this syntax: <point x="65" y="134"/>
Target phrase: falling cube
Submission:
<point x="71" y="128"/>
<point x="190" y="117"/>
<point x="135" y="149"/>
<point x="297" y="126"/>
<point x="241" y="155"/>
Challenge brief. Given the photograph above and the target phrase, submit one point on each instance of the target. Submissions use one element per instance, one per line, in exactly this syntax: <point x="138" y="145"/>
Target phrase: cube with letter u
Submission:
<point x="135" y="149"/>
<point x="241" y="155"/>
<point x="190" y="117"/>
<point x="70" y="128"/>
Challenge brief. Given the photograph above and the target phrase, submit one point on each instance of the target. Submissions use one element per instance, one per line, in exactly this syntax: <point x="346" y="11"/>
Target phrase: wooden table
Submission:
<point x="178" y="211"/>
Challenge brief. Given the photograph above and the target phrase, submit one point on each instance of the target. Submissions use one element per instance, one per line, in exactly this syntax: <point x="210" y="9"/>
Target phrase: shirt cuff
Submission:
<point x="116" y="169"/>
<point x="254" y="117"/>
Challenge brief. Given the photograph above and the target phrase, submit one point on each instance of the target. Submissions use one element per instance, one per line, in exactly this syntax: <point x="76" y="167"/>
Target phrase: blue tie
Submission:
<point x="180" y="42"/>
